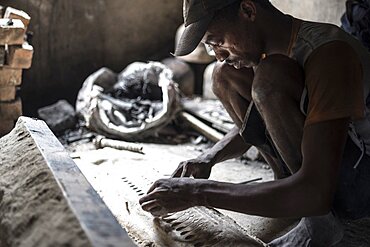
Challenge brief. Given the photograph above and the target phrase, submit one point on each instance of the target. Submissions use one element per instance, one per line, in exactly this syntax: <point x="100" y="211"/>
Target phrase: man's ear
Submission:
<point x="248" y="10"/>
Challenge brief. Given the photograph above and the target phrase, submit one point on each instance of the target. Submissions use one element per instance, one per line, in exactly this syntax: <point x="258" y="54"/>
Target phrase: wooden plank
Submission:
<point x="12" y="32"/>
<point x="99" y="224"/>
<point x="12" y="13"/>
<point x="1" y="11"/>
<point x="210" y="111"/>
<point x="201" y="127"/>
<point x="20" y="57"/>
<point x="10" y="77"/>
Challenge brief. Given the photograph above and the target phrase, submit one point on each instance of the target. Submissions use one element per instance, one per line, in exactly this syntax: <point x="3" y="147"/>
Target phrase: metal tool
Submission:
<point x="101" y="142"/>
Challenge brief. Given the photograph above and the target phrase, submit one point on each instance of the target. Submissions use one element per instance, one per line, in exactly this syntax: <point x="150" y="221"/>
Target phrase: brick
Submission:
<point x="6" y="126"/>
<point x="20" y="57"/>
<point x="11" y="110"/>
<point x="12" y="13"/>
<point x="10" y="77"/>
<point x="12" y="32"/>
<point x="2" y="56"/>
<point x="7" y="93"/>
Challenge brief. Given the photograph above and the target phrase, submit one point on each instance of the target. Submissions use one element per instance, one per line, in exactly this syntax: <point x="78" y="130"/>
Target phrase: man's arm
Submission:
<point x="308" y="192"/>
<point x="231" y="146"/>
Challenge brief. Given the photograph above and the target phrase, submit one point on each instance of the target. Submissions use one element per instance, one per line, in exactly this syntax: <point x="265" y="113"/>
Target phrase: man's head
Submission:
<point x="227" y="26"/>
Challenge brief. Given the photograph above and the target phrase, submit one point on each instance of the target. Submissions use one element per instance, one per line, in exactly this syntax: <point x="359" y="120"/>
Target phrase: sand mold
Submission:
<point x="33" y="211"/>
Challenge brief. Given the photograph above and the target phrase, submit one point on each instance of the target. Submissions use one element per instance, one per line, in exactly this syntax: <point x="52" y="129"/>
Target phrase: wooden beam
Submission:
<point x="201" y="127"/>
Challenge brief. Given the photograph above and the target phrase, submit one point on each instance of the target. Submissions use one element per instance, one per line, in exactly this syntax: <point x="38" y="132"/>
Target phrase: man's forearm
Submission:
<point x="231" y="146"/>
<point x="289" y="197"/>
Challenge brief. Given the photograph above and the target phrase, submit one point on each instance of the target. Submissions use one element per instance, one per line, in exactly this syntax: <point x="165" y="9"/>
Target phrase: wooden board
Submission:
<point x="210" y="111"/>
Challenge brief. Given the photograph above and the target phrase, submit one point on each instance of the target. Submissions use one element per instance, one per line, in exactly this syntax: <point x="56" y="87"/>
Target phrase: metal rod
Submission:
<point x="102" y="142"/>
<point x="251" y="181"/>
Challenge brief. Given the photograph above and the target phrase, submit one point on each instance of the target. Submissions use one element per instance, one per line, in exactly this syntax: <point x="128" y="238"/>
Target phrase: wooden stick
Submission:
<point x="201" y="127"/>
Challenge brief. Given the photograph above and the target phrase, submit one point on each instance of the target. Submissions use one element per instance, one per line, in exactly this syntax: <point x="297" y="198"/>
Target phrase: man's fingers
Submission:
<point x="154" y="195"/>
<point x="186" y="172"/>
<point x="183" y="173"/>
<point x="150" y="205"/>
<point x="155" y="208"/>
<point x="177" y="173"/>
<point x="155" y="185"/>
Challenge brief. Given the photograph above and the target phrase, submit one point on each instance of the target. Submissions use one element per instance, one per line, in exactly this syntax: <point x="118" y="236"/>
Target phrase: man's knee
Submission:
<point x="226" y="78"/>
<point x="220" y="79"/>
<point x="277" y="78"/>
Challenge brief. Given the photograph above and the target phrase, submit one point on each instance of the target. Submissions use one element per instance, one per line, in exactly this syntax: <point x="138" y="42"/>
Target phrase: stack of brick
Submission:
<point x="15" y="55"/>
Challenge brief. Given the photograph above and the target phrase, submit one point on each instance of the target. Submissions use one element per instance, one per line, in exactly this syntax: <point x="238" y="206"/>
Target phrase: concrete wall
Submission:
<point x="73" y="38"/>
<point x="314" y="10"/>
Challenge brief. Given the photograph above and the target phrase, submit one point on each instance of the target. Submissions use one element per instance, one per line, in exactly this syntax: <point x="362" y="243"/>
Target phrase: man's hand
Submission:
<point x="198" y="168"/>
<point x="172" y="195"/>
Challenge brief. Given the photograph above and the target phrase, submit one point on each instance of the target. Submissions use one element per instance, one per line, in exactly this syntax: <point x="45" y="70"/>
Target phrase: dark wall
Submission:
<point x="73" y="38"/>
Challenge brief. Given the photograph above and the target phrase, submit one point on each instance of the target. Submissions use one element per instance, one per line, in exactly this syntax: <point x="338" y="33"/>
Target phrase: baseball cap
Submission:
<point x="197" y="16"/>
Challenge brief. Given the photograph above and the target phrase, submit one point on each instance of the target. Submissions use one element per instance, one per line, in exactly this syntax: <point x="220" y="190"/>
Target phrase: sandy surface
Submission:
<point x="105" y="169"/>
<point x="33" y="211"/>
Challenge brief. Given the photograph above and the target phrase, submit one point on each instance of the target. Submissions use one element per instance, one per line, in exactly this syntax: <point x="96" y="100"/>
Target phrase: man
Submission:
<point x="296" y="90"/>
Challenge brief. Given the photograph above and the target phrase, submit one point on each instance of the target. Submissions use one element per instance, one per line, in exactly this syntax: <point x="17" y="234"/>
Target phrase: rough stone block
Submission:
<point x="11" y="110"/>
<point x="59" y="116"/>
<point x="12" y="32"/>
<point x="7" y="93"/>
<point x="10" y="77"/>
<point x="34" y="210"/>
<point x="5" y="126"/>
<point x="12" y="13"/>
<point x="2" y="56"/>
<point x="20" y="57"/>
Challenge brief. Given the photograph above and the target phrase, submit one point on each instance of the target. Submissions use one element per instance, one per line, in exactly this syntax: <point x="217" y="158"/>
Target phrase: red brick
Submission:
<point x="11" y="32"/>
<point x="11" y="110"/>
<point x="10" y="77"/>
<point x="12" y="13"/>
<point x="20" y="57"/>
<point x="7" y="93"/>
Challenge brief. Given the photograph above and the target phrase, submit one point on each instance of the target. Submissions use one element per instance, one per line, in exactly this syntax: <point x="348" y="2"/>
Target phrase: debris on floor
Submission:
<point x="60" y="116"/>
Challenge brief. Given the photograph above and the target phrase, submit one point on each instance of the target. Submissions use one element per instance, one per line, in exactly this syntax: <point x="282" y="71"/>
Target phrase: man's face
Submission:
<point x="234" y="43"/>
